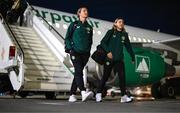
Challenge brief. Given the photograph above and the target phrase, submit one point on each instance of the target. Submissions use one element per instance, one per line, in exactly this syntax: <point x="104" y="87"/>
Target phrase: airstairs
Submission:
<point x="34" y="57"/>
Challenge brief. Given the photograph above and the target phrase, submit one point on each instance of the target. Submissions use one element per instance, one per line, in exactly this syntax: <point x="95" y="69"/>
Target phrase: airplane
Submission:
<point x="166" y="44"/>
<point x="153" y="50"/>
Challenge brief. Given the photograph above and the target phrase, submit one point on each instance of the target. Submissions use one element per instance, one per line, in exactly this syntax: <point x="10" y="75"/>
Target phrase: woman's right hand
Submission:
<point x="109" y="55"/>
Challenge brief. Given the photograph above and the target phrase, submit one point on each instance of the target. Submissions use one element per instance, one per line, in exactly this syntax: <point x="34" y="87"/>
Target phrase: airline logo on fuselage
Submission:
<point x="143" y="66"/>
<point x="57" y="17"/>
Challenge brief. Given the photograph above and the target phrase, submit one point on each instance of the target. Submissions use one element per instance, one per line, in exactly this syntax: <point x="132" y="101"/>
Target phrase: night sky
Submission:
<point x="148" y="14"/>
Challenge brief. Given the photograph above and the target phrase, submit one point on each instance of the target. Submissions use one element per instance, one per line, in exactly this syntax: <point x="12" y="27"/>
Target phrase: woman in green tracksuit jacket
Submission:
<point x="113" y="43"/>
<point x="78" y="43"/>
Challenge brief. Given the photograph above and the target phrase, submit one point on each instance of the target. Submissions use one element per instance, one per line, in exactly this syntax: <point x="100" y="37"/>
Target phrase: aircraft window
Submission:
<point x="149" y="40"/>
<point x="99" y="32"/>
<point x="50" y="23"/>
<point x="134" y="38"/>
<point x="139" y="39"/>
<point x="144" y="40"/>
<point x="65" y="26"/>
<point x="57" y="25"/>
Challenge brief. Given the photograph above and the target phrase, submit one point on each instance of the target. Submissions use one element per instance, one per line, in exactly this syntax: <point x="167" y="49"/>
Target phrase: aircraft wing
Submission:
<point x="175" y="42"/>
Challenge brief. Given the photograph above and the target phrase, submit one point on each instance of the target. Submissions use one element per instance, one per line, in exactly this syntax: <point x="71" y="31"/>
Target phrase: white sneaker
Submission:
<point x="126" y="99"/>
<point x="72" y="98"/>
<point x="99" y="97"/>
<point x="86" y="95"/>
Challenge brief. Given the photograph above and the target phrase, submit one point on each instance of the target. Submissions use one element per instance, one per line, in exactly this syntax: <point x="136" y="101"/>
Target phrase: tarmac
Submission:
<point x="38" y="104"/>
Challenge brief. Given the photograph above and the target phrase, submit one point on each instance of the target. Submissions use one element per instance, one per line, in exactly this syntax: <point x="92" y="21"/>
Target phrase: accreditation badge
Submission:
<point x="107" y="63"/>
<point x="123" y="39"/>
<point x="88" y="30"/>
<point x="73" y="57"/>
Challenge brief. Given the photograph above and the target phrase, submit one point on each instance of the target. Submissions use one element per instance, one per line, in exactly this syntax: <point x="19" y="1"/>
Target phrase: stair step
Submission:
<point x="46" y="73"/>
<point x="43" y="67"/>
<point x="20" y="27"/>
<point x="37" y="53"/>
<point x="33" y="45"/>
<point x="40" y="57"/>
<point x="29" y="35"/>
<point x="23" y="40"/>
<point x="47" y="86"/>
<point x="29" y="78"/>
<point x="35" y="49"/>
<point x="28" y="30"/>
<point x="23" y="32"/>
<point x="42" y="62"/>
<point x="29" y="40"/>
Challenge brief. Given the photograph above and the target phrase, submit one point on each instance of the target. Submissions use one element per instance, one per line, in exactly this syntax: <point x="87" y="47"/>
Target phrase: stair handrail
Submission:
<point x="50" y="26"/>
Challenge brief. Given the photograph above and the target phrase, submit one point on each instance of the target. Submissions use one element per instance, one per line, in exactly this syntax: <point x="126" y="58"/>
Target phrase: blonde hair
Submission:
<point x="114" y="24"/>
<point x="79" y="10"/>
